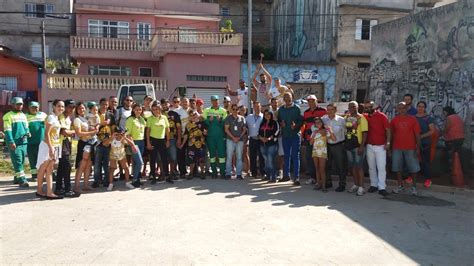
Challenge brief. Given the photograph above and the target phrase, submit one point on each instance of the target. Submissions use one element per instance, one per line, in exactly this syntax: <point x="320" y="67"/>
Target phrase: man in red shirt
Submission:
<point x="406" y="139"/>
<point x="308" y="118"/>
<point x="378" y="142"/>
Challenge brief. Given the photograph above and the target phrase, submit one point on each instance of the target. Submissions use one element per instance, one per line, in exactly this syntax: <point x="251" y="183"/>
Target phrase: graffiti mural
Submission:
<point x="430" y="55"/>
<point x="306" y="73"/>
<point x="303" y="30"/>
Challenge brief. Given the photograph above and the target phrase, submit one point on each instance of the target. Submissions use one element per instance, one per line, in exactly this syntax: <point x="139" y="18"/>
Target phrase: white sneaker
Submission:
<point x="353" y="189"/>
<point x="360" y="191"/>
<point x="311" y="181"/>
<point x="110" y="187"/>
<point x="129" y="185"/>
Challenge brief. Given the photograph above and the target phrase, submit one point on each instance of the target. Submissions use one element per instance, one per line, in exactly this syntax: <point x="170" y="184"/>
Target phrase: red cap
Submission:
<point x="199" y="101"/>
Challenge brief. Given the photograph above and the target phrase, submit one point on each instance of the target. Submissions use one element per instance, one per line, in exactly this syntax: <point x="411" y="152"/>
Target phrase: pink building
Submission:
<point x="169" y="43"/>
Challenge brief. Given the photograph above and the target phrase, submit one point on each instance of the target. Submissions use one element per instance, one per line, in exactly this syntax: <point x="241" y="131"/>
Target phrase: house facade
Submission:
<point x="169" y="43"/>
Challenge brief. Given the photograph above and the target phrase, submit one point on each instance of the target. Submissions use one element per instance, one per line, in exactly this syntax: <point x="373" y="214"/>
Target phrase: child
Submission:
<point x="319" y="141"/>
<point x="93" y="120"/>
<point x="117" y="154"/>
<point x="195" y="135"/>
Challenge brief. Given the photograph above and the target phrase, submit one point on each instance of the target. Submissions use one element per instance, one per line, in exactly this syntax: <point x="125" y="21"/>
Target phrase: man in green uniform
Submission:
<point x="214" y="117"/>
<point x="36" y="126"/>
<point x="16" y="133"/>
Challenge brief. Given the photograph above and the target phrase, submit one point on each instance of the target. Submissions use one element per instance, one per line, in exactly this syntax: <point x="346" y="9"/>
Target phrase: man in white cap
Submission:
<point x="36" y="127"/>
<point x="16" y="137"/>
<point x="226" y="104"/>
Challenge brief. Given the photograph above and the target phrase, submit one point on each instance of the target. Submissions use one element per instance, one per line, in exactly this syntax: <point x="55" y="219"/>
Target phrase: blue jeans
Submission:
<point x="238" y="148"/>
<point x="101" y="162"/>
<point x="172" y="153"/>
<point x="426" y="160"/>
<point x="269" y="154"/>
<point x="138" y="159"/>
<point x="291" y="148"/>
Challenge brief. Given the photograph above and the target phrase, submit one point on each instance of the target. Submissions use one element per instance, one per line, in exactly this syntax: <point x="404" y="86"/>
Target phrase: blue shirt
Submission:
<point x="424" y="123"/>
<point x="253" y="124"/>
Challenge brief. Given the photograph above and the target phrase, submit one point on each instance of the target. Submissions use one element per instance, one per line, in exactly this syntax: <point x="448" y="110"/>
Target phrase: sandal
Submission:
<point x="87" y="188"/>
<point x="317" y="187"/>
<point x="40" y="195"/>
<point x="55" y="197"/>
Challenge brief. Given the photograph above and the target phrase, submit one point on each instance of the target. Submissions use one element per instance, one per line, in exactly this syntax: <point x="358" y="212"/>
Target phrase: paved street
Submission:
<point x="230" y="222"/>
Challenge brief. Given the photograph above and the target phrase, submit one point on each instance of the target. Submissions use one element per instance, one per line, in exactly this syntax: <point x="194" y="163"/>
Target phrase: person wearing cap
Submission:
<point x="214" y="117"/>
<point x="226" y="104"/>
<point x="242" y="93"/>
<point x="184" y="117"/>
<point x="36" y="126"/>
<point x="63" y="175"/>
<point x="313" y="111"/>
<point x="16" y="137"/>
<point x="199" y="105"/>
<point x="263" y="86"/>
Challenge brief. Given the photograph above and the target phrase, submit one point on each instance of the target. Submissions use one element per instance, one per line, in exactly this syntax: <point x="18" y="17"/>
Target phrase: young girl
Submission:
<point x="194" y="135"/>
<point x="117" y="154"/>
<point x="93" y="120"/>
<point x="320" y="154"/>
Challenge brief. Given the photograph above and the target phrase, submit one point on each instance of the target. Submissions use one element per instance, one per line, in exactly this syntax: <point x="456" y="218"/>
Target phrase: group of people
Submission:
<point x="183" y="139"/>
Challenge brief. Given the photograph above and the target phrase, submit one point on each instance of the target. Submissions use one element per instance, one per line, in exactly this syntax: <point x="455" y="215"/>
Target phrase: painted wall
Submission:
<point x="302" y="31"/>
<point x="430" y="55"/>
<point x="289" y="73"/>
<point x="176" y="67"/>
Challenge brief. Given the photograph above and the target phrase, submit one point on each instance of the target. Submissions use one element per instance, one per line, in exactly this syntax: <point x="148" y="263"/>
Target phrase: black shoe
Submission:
<point x="240" y="177"/>
<point x="384" y="192"/>
<point x="340" y="188"/>
<point x="71" y="194"/>
<point x="226" y="177"/>
<point x="24" y="184"/>
<point x="372" y="189"/>
<point x="153" y="181"/>
<point x="169" y="180"/>
<point x="59" y="192"/>
<point x="284" y="179"/>
<point x="105" y="184"/>
<point x="272" y="181"/>
<point x="296" y="183"/>
<point x="265" y="178"/>
<point x="137" y="183"/>
<point x="189" y="177"/>
<point x="122" y="176"/>
<point x="95" y="184"/>
<point x="214" y="176"/>
<point x="202" y="176"/>
<point x="161" y="178"/>
<point x="329" y="185"/>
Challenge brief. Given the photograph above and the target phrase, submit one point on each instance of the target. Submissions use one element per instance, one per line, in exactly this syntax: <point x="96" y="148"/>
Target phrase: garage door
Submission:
<point x="205" y="94"/>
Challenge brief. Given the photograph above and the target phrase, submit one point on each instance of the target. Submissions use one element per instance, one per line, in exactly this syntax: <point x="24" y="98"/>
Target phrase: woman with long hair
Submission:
<point x="85" y="150"/>
<point x="268" y="136"/>
<point x="135" y="126"/>
<point x="49" y="152"/>
<point x="427" y="127"/>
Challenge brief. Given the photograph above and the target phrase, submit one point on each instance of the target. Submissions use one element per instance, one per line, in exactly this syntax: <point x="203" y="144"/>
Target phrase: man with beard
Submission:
<point x="263" y="86"/>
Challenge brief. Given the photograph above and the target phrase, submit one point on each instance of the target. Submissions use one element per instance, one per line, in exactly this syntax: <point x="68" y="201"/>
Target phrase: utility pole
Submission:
<point x="43" y="46"/>
<point x="249" y="52"/>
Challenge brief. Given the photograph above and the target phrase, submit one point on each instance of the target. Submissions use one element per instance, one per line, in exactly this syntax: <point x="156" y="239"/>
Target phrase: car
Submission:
<point x="137" y="91"/>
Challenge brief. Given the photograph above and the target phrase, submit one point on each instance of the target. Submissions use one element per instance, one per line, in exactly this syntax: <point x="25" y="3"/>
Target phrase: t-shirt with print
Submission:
<point x="82" y="123"/>
<point x="195" y="133"/>
<point x="55" y="125"/>
<point x="66" y="124"/>
<point x="355" y="126"/>
<point x="158" y="126"/>
<point x="236" y="125"/>
<point x="183" y="116"/>
<point x="117" y="150"/>
<point x="174" y="121"/>
<point x="105" y="131"/>
<point x="404" y="131"/>
<point x="320" y="147"/>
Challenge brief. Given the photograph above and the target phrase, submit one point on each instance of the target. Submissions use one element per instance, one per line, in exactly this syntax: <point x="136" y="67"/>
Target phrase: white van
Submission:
<point x="137" y="91"/>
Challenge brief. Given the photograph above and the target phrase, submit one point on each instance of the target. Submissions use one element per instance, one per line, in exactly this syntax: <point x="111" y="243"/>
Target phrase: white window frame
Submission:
<point x="143" y="31"/>
<point x="150" y="68"/>
<point x="225" y="11"/>
<point x="358" y="28"/>
<point x="110" y="70"/>
<point x="122" y="28"/>
<point x="36" y="50"/>
<point x="9" y="83"/>
<point x="31" y="10"/>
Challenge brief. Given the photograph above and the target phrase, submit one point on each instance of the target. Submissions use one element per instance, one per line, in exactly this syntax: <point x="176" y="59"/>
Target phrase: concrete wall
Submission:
<point x="19" y="32"/>
<point x="384" y="4"/>
<point x="133" y="64"/>
<point x="288" y="73"/>
<point x="430" y="55"/>
<point x="303" y="30"/>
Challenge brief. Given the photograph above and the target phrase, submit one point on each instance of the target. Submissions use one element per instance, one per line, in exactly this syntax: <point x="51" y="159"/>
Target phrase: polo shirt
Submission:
<point x="405" y="128"/>
<point x="253" y="123"/>
<point x="157" y="126"/>
<point x="236" y="125"/>
<point x="378" y="123"/>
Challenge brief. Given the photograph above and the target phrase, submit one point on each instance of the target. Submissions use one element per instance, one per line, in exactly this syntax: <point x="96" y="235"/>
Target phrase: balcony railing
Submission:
<point x="117" y="44"/>
<point x="87" y="82"/>
<point x="199" y="37"/>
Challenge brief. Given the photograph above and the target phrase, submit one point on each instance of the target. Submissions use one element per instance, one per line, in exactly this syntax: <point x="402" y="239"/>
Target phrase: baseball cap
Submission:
<point x="34" y="104"/>
<point x="16" y="100"/>
<point x="214" y="97"/>
<point x="91" y="104"/>
<point x="69" y="102"/>
<point x="311" y="97"/>
<point x="227" y="98"/>
<point x="199" y="101"/>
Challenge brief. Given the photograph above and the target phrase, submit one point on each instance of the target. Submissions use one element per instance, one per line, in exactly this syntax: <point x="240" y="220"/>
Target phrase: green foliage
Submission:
<point x="228" y="26"/>
<point x="51" y="63"/>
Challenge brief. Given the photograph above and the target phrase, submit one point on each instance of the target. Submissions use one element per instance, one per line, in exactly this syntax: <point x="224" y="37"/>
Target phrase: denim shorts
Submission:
<point x="172" y="151"/>
<point x="407" y="157"/>
<point x="354" y="159"/>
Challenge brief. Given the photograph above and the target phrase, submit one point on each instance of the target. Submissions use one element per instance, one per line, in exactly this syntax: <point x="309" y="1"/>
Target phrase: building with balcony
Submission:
<point x="169" y="43"/>
<point x="21" y="31"/>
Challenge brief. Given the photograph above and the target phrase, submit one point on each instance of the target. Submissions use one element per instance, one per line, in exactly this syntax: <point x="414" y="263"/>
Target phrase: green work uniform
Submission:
<point x="16" y="131"/>
<point x="36" y="127"/>
<point x="215" y="137"/>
